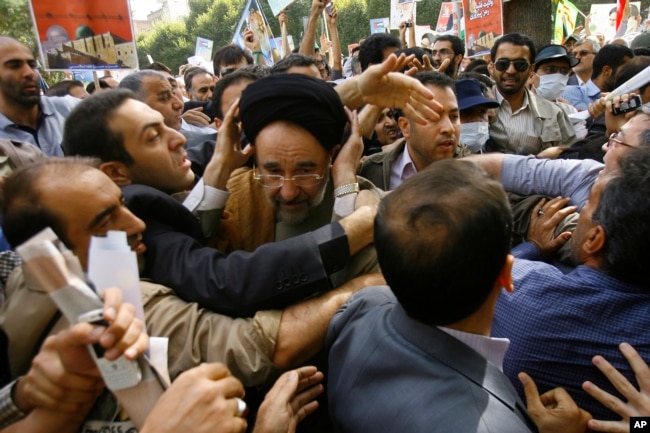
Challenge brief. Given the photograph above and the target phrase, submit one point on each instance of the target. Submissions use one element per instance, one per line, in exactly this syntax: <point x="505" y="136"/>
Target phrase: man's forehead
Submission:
<point x="634" y="127"/>
<point x="156" y="85"/>
<point x="137" y="112"/>
<point x="12" y="50"/>
<point x="508" y="49"/>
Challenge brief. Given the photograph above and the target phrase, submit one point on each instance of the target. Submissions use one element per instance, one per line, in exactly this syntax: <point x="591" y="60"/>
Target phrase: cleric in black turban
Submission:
<point x="310" y="103"/>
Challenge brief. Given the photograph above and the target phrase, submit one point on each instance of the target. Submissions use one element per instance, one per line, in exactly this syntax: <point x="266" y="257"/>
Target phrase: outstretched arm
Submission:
<point x="303" y="325"/>
<point x="378" y="85"/>
<point x="307" y="44"/>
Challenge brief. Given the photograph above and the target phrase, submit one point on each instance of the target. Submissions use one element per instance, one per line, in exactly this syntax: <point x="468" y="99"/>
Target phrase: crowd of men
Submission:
<point x="458" y="245"/>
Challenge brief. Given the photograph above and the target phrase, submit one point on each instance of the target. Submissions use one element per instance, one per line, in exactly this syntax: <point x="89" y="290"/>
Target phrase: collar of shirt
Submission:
<point x="402" y="168"/>
<point x="504" y="102"/>
<point x="492" y="349"/>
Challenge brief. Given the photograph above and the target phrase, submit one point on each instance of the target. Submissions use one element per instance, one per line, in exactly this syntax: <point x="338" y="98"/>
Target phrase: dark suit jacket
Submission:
<point x="240" y="283"/>
<point x="376" y="167"/>
<point x="391" y="373"/>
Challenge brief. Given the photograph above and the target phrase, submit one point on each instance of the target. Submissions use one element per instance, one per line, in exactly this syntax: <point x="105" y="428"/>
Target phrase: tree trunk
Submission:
<point x="532" y="17"/>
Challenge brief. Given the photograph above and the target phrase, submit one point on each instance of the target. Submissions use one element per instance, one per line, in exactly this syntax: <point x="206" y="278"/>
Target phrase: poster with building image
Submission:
<point x="84" y="34"/>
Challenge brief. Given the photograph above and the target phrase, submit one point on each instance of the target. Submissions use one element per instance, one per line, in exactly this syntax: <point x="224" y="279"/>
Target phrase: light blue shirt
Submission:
<point x="49" y="131"/>
<point x="581" y="96"/>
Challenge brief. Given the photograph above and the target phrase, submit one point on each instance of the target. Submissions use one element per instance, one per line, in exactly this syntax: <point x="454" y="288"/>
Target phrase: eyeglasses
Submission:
<point x="555" y="69"/>
<point x="442" y="52"/>
<point x="520" y="65"/>
<point x="615" y="141"/>
<point x="277" y="181"/>
<point x="581" y="53"/>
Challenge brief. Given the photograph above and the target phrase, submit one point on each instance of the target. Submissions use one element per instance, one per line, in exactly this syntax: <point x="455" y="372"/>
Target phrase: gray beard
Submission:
<point x="294" y="218"/>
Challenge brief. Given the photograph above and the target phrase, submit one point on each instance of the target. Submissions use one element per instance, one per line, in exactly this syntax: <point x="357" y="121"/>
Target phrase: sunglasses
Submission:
<point x="520" y="65"/>
<point x="581" y="53"/>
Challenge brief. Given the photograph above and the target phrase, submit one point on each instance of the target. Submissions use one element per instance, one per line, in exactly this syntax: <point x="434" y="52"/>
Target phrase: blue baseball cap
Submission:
<point x="469" y="94"/>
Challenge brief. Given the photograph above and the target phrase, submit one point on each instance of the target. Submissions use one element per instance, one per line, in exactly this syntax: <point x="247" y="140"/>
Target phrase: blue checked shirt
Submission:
<point x="557" y="322"/>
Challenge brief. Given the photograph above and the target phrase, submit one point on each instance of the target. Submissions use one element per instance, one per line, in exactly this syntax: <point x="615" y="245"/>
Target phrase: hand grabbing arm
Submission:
<point x="544" y="219"/>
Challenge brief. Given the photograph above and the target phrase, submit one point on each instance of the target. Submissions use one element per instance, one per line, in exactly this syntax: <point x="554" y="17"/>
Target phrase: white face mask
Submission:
<point x="474" y="135"/>
<point x="551" y="86"/>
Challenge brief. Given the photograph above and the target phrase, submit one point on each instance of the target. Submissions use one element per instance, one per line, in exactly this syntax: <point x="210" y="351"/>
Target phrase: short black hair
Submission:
<point x="293" y="59"/>
<point x="372" y="49"/>
<point x="424" y="241"/>
<point x="624" y="213"/>
<point x="515" y="39"/>
<point x="90" y="88"/>
<point x="630" y="69"/>
<point x="612" y="55"/>
<point x="225" y="82"/>
<point x="62" y="88"/>
<point x="229" y="54"/>
<point x="86" y="131"/>
<point x="457" y="43"/>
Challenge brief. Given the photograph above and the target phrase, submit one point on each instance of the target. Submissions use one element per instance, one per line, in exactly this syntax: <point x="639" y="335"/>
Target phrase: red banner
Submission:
<point x="483" y="24"/>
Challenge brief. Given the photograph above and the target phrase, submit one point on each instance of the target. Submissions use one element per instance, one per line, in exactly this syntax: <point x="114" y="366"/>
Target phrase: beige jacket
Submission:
<point x="195" y="334"/>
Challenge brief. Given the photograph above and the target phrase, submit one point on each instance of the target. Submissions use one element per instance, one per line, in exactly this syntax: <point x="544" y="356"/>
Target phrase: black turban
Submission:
<point x="310" y="103"/>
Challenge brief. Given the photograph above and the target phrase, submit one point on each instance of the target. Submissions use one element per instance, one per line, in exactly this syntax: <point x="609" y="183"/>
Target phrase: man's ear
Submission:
<point x="607" y="71"/>
<point x="117" y="171"/>
<point x="404" y="126"/>
<point x="504" y="279"/>
<point x="594" y="241"/>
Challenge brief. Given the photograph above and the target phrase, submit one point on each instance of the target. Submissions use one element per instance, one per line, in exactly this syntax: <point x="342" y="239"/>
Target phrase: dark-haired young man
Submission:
<point x="525" y="124"/>
<point x="448" y="47"/>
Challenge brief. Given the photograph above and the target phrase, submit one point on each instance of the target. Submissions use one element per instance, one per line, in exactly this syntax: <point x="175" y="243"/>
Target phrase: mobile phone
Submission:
<point x="628" y="106"/>
<point x="329" y="8"/>
<point x="119" y="374"/>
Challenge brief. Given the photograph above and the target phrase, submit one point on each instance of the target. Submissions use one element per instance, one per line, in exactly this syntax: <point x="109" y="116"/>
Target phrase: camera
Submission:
<point x="329" y="8"/>
<point x="409" y="24"/>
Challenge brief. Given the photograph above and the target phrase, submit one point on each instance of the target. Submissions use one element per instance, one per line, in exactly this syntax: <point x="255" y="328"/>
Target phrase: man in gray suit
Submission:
<point x="417" y="356"/>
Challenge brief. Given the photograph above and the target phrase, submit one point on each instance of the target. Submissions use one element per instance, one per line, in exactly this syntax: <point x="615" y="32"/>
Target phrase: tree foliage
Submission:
<point x="172" y="43"/>
<point x="17" y="22"/>
<point x="167" y="43"/>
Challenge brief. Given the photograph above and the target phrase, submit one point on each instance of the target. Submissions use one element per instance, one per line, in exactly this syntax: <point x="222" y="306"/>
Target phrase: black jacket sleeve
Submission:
<point x="240" y="283"/>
